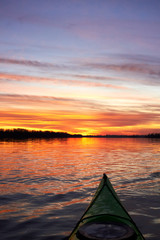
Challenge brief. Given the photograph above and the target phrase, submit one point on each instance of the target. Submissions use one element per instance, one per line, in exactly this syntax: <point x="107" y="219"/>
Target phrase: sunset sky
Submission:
<point x="80" y="66"/>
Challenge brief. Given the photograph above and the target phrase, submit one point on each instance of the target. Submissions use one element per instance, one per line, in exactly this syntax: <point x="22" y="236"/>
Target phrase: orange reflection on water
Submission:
<point x="45" y="166"/>
<point x="56" y="179"/>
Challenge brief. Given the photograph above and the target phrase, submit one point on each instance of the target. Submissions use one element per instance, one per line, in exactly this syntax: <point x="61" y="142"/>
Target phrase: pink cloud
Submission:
<point x="10" y="77"/>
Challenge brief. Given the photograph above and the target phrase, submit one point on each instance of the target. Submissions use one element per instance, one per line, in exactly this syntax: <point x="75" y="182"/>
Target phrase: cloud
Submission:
<point x="151" y="80"/>
<point x="75" y="115"/>
<point x="79" y="122"/>
<point x="138" y="58"/>
<point x="45" y="103"/>
<point x="79" y="104"/>
<point x="142" y="68"/>
<point x="30" y="99"/>
<point x="128" y="67"/>
<point x="138" y="70"/>
<point x="96" y="77"/>
<point x="124" y="119"/>
<point x="11" y="77"/>
<point x="142" y="73"/>
<point x="28" y="63"/>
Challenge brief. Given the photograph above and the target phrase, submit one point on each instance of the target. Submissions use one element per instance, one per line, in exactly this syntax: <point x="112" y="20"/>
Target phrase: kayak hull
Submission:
<point x="106" y="218"/>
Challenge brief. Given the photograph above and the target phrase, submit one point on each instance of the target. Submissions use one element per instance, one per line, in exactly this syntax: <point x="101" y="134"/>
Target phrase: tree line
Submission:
<point x="33" y="134"/>
<point x="26" y="134"/>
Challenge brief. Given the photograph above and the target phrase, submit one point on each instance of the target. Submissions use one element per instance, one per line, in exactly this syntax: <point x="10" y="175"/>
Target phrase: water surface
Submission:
<point x="45" y="185"/>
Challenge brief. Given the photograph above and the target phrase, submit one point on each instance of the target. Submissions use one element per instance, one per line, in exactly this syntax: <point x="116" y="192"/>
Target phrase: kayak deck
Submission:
<point x="106" y="218"/>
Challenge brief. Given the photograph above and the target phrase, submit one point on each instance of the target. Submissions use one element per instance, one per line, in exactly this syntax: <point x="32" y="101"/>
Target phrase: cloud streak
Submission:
<point x="128" y="67"/>
<point x="142" y="68"/>
<point x="143" y="72"/>
<point x="20" y="78"/>
<point x="73" y="115"/>
<point x="41" y="103"/>
<point x="29" y="63"/>
<point x="72" y="122"/>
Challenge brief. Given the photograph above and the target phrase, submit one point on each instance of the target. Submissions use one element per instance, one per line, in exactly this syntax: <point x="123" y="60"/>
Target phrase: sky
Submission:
<point x="80" y="66"/>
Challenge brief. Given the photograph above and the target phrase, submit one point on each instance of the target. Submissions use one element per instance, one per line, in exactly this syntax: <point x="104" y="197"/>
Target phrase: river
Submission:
<point x="45" y="185"/>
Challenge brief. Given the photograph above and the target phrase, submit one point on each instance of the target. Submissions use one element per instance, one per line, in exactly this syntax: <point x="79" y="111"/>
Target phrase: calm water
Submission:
<point x="45" y="185"/>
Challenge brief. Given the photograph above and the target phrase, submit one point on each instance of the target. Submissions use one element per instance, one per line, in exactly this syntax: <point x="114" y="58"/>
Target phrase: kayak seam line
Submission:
<point x="94" y="198"/>
<point x="118" y="200"/>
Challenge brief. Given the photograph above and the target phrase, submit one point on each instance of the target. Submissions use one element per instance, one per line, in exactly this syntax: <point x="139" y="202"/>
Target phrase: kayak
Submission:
<point x="106" y="218"/>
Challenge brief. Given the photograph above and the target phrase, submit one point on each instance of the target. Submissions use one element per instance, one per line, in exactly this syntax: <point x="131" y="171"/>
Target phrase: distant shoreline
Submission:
<point x="38" y="134"/>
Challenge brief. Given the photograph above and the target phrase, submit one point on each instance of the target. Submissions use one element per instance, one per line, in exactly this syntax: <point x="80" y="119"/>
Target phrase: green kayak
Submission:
<point x="105" y="218"/>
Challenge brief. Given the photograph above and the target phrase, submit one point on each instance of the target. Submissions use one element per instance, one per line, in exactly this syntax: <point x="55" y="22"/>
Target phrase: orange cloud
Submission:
<point x="79" y="121"/>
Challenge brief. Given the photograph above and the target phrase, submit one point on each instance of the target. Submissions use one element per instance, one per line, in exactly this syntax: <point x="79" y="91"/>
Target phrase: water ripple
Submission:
<point x="45" y="186"/>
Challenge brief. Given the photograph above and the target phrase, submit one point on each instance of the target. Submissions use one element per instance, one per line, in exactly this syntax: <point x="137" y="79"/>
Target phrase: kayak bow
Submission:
<point x="106" y="218"/>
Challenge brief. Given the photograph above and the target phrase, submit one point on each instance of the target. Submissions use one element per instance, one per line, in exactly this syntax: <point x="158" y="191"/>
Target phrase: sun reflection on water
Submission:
<point x="51" y="178"/>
